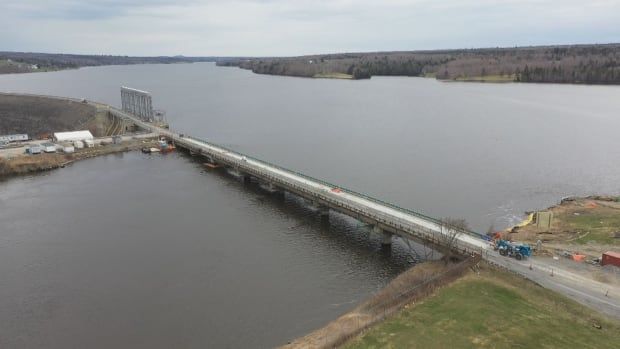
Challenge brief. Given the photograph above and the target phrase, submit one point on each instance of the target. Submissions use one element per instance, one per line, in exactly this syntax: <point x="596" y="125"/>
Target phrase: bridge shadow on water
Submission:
<point x="336" y="230"/>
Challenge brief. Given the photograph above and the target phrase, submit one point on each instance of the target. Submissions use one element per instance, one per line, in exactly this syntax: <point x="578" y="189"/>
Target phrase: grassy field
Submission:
<point x="594" y="225"/>
<point x="493" y="310"/>
<point x="333" y="76"/>
<point x="488" y="78"/>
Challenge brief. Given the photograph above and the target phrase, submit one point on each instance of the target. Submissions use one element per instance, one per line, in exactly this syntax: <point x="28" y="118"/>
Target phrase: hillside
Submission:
<point x="492" y="309"/>
<point x="587" y="64"/>
<point x="26" y="62"/>
<point x="40" y="116"/>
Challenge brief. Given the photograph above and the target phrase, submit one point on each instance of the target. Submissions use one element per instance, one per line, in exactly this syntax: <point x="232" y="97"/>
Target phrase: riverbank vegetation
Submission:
<point x="411" y="286"/>
<point x="586" y="64"/>
<point x="493" y="309"/>
<point x="28" y="62"/>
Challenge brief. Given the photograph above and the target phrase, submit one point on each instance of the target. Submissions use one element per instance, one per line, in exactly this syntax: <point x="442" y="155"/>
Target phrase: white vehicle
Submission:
<point x="78" y="144"/>
<point x="49" y="147"/>
<point x="35" y="149"/>
<point x="68" y="149"/>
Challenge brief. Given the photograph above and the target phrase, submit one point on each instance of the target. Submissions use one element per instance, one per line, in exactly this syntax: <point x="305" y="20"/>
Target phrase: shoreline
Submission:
<point x="411" y="286"/>
<point x="588" y="224"/>
<point x="23" y="164"/>
<point x="349" y="327"/>
<point x="362" y="319"/>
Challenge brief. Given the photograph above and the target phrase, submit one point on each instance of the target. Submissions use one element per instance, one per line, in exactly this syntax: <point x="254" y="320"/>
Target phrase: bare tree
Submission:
<point x="451" y="230"/>
<point x="491" y="230"/>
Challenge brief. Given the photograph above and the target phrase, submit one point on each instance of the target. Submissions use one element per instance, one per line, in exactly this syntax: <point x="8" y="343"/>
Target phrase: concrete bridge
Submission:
<point x="386" y="219"/>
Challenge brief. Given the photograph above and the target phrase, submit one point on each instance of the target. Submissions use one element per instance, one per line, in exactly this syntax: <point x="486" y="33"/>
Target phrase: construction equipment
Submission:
<point x="512" y="249"/>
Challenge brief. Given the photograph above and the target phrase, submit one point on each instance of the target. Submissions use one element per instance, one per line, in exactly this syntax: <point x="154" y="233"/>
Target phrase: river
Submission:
<point x="152" y="251"/>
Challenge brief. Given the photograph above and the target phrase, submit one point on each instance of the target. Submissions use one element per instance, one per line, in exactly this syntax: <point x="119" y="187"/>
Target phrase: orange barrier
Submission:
<point x="579" y="257"/>
<point x="591" y="204"/>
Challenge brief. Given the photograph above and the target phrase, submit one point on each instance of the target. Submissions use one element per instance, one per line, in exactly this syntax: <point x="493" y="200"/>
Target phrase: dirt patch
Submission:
<point x="590" y="225"/>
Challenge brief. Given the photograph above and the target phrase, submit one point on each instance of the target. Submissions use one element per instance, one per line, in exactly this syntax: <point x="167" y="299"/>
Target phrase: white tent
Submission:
<point x="73" y="136"/>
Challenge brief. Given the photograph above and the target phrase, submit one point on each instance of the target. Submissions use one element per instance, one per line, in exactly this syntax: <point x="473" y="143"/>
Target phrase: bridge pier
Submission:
<point x="269" y="187"/>
<point x="322" y="210"/>
<point x="244" y="177"/>
<point x="235" y="172"/>
<point x="386" y="236"/>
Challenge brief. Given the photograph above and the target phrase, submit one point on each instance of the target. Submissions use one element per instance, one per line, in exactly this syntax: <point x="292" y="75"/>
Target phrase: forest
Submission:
<point x="25" y="62"/>
<point x="582" y="64"/>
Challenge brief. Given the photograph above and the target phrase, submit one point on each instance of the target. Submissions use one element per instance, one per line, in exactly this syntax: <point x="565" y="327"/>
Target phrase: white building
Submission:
<point x="14" y="138"/>
<point x="49" y="147"/>
<point x="73" y="136"/>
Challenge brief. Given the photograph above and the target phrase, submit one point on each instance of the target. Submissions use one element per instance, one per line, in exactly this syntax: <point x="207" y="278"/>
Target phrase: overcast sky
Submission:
<point x="296" y="27"/>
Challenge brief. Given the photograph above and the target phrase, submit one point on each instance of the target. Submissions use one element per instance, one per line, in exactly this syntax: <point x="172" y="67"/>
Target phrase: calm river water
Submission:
<point x="151" y="251"/>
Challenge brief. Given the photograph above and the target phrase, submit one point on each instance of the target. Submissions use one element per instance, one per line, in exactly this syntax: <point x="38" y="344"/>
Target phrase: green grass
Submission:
<point x="493" y="310"/>
<point x="599" y="224"/>
<point x="488" y="78"/>
<point x="333" y="76"/>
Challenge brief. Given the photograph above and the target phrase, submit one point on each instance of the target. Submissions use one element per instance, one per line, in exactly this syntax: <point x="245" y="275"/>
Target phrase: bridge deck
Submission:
<point x="401" y="221"/>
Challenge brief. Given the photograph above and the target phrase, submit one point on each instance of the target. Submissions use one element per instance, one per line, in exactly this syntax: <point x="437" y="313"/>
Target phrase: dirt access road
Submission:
<point x="11" y="152"/>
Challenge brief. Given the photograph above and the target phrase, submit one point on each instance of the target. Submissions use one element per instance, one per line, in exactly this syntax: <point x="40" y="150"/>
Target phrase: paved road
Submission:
<point x="597" y="295"/>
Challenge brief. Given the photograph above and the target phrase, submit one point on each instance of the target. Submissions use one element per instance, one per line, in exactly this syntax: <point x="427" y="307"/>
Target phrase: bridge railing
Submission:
<point x="320" y="181"/>
<point x="349" y="191"/>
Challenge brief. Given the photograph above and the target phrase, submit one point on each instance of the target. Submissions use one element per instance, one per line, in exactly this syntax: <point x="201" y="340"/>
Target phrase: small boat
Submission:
<point x="166" y="147"/>
<point x="148" y="150"/>
<point x="213" y="166"/>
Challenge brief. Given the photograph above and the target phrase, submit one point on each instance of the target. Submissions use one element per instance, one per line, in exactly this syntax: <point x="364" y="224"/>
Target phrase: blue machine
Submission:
<point x="512" y="249"/>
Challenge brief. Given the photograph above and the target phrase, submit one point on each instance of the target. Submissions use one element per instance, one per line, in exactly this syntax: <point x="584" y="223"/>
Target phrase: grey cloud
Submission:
<point x="294" y="27"/>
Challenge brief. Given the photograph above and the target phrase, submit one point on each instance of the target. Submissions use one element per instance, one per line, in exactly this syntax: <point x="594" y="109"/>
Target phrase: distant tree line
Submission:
<point x="69" y="61"/>
<point x="590" y="64"/>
